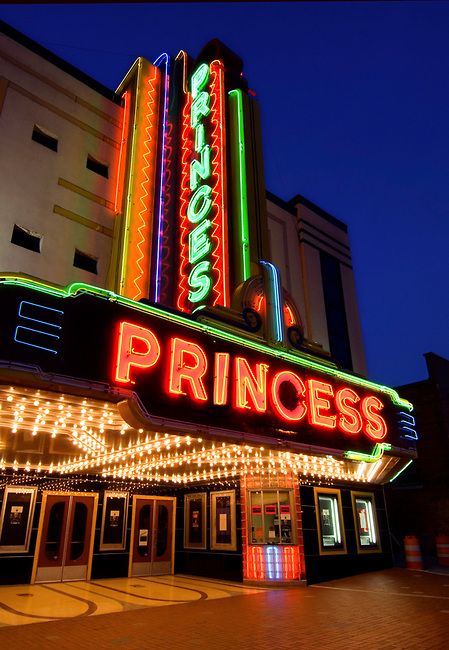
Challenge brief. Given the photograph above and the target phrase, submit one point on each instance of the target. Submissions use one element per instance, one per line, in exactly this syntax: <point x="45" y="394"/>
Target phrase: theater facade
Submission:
<point x="178" y="418"/>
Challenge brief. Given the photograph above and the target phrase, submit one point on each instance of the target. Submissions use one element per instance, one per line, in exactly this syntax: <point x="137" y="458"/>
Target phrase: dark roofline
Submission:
<point x="299" y="199"/>
<point x="280" y="203"/>
<point x="70" y="69"/>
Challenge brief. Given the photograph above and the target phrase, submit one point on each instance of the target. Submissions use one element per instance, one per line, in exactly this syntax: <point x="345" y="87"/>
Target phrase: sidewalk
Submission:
<point x="387" y="610"/>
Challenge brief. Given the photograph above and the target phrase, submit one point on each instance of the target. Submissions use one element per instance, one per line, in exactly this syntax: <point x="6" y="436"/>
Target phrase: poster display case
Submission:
<point x="365" y="520"/>
<point x="114" y="521"/>
<point x="195" y="520"/>
<point x="16" y="518"/>
<point x="223" y="534"/>
<point x="329" y="521"/>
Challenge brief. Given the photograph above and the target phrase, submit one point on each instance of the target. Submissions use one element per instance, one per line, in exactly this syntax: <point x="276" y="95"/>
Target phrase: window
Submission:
<point x="97" y="166"/>
<point x="26" y="238"/>
<point x="365" y="520"/>
<point x="85" y="261"/>
<point x="329" y="519"/>
<point x="271" y="517"/>
<point x="44" y="138"/>
<point x="334" y="303"/>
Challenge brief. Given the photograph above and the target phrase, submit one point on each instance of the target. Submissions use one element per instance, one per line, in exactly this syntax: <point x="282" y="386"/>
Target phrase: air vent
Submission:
<point x="85" y="261"/>
<point x="44" y="138"/>
<point x="97" y="166"/>
<point x="26" y="239"/>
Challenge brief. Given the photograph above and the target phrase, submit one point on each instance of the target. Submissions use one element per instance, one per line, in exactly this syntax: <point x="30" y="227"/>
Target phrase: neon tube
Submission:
<point x="236" y="104"/>
<point x="163" y="58"/>
<point x="274" y="296"/>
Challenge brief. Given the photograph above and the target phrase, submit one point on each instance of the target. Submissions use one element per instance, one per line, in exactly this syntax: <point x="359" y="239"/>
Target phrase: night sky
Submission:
<point x="355" y="114"/>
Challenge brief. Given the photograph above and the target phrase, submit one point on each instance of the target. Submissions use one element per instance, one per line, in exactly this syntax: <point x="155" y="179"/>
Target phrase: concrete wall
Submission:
<point x="52" y="193"/>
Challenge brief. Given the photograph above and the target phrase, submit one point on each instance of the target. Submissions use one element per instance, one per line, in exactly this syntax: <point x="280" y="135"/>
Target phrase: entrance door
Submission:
<point x="152" y="536"/>
<point x="65" y="538"/>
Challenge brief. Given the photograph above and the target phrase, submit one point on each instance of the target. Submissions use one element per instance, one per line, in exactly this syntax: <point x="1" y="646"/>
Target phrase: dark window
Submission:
<point x="334" y="301"/>
<point x="97" y="167"/>
<point x="26" y="239"/>
<point x="42" y="137"/>
<point x="85" y="262"/>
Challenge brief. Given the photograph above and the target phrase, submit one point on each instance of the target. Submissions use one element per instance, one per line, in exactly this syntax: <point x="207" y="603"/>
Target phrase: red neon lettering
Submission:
<point x="375" y="427"/>
<point x="287" y="377"/>
<point x="188" y="363"/>
<point x="247" y="384"/>
<point x="137" y="347"/>
<point x="221" y="378"/>
<point x="349" y="419"/>
<point x="318" y="404"/>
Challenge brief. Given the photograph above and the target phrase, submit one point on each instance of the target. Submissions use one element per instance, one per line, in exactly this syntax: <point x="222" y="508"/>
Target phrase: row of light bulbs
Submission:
<point x="145" y="456"/>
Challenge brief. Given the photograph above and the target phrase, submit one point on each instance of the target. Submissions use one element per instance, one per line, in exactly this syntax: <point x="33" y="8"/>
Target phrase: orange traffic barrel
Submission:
<point x="412" y="552"/>
<point x="443" y="549"/>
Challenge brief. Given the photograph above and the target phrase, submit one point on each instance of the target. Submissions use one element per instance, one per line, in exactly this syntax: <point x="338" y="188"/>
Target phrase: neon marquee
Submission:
<point x="240" y="384"/>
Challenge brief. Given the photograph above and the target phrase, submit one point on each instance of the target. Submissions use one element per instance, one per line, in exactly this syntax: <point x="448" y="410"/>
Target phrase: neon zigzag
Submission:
<point x="219" y="231"/>
<point x="166" y="257"/>
<point x="184" y="201"/>
<point x="140" y="275"/>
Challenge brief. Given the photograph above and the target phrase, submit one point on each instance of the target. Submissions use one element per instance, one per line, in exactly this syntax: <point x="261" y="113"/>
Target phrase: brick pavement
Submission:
<point x="387" y="610"/>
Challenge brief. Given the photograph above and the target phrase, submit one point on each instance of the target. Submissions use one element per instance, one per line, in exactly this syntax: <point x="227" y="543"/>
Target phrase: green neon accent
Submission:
<point x="203" y="196"/>
<point x="200" y="244"/>
<point x="200" y="108"/>
<point x="297" y="359"/>
<point x="401" y="470"/>
<point x="376" y="454"/>
<point x="200" y="280"/>
<point x="236" y="103"/>
<point x="199" y="79"/>
<point x="200" y="169"/>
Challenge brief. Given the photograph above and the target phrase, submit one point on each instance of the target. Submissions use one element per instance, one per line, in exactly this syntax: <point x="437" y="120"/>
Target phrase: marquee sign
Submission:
<point x="198" y="376"/>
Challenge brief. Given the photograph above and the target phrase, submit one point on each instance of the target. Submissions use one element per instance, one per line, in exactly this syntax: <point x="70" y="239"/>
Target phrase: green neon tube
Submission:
<point x="236" y="103"/>
<point x="376" y="454"/>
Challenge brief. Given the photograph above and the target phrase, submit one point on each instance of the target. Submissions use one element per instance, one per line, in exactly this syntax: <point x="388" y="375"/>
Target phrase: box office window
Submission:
<point x="329" y="521"/>
<point x="271" y="517"/>
<point x="365" y="520"/>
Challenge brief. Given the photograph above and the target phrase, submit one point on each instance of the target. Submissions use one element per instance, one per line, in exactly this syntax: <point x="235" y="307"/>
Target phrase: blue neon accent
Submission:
<point x="33" y="345"/>
<point x="273" y="564"/>
<point x="278" y="315"/>
<point x="48" y="312"/>
<point x="36" y="320"/>
<point x="406" y="423"/>
<point x="160" y="224"/>
<point x="269" y="561"/>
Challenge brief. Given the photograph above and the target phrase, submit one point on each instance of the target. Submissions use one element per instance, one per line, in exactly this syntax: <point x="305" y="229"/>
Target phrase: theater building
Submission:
<point x="182" y="376"/>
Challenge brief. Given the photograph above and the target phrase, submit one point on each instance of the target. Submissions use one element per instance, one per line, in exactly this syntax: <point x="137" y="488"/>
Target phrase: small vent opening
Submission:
<point x="26" y="238"/>
<point x="85" y="261"/>
<point x="97" y="166"/>
<point x="44" y="138"/>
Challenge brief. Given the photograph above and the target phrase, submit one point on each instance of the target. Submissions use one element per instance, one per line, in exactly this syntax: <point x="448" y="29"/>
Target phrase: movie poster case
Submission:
<point x="223" y="534"/>
<point x="16" y="518"/>
<point x="114" y="521"/>
<point x="195" y="520"/>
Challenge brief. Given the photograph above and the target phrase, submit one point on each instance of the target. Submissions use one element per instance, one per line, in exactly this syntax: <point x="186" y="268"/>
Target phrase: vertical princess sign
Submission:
<point x="203" y="268"/>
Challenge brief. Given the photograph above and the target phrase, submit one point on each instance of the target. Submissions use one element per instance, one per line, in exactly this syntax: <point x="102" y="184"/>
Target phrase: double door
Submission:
<point x="152" y="536"/>
<point x="65" y="538"/>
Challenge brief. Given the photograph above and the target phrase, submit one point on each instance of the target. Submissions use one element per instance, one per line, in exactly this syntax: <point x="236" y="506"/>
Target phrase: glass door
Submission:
<point x="65" y="537"/>
<point x="152" y="529"/>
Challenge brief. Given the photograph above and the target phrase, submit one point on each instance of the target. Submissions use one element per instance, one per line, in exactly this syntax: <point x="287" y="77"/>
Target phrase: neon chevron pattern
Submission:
<point x="219" y="235"/>
<point x="138" y="264"/>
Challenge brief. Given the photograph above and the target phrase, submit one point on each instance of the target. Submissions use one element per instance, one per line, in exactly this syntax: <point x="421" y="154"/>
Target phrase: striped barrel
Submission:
<point x="412" y="552"/>
<point x="443" y="549"/>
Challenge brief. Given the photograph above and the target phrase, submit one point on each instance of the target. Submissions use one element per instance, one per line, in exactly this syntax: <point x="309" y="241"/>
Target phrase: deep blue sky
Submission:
<point x="355" y="116"/>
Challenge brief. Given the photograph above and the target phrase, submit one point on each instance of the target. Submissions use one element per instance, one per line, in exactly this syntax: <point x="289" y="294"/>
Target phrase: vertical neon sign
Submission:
<point x="203" y="209"/>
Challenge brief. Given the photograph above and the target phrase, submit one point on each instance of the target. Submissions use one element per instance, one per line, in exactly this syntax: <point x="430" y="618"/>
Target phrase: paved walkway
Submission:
<point x="387" y="610"/>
